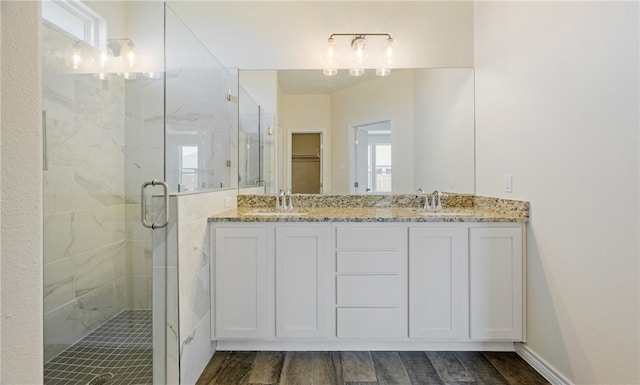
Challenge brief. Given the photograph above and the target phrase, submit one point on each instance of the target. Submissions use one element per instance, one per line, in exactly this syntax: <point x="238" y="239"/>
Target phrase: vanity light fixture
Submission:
<point x="360" y="55"/>
<point x="90" y="59"/>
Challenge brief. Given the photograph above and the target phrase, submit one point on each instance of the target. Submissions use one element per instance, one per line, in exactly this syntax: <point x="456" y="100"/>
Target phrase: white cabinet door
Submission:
<point x="241" y="282"/>
<point x="303" y="276"/>
<point x="496" y="283"/>
<point x="438" y="283"/>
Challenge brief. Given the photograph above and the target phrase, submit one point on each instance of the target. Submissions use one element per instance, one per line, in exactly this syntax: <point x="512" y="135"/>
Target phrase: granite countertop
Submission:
<point x="368" y="214"/>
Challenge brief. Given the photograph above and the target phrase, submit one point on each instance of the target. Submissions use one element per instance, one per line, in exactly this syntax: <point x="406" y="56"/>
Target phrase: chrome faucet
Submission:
<point x="281" y="200"/>
<point x="436" y="200"/>
<point x="289" y="206"/>
<point x="420" y="192"/>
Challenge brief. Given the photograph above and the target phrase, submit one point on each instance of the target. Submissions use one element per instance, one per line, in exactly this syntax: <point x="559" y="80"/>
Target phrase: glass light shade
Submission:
<point x="358" y="51"/>
<point x="330" y="71"/>
<point x="128" y="75"/>
<point x="131" y="55"/>
<point x="330" y="60"/>
<point x="389" y="51"/>
<point x="103" y="58"/>
<point x="383" y="71"/>
<point x="356" y="71"/>
<point x="76" y="58"/>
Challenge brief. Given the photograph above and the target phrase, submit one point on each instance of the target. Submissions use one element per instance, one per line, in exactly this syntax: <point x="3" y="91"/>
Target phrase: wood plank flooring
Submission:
<point x="369" y="368"/>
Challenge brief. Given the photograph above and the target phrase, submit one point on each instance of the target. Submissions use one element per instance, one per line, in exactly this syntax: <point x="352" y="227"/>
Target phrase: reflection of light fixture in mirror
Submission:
<point x="360" y="55"/>
<point x="118" y="48"/>
<point x="118" y="56"/>
<point x="76" y="56"/>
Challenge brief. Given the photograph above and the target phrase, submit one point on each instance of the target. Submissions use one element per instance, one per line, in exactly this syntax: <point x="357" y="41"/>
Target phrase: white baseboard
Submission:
<point x="540" y="365"/>
<point x="337" y="345"/>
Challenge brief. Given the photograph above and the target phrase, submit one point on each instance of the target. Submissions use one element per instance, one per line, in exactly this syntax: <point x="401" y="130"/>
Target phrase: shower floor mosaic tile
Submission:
<point x="116" y="353"/>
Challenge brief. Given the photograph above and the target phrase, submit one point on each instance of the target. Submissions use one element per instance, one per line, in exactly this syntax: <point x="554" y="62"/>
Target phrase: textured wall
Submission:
<point x="21" y="206"/>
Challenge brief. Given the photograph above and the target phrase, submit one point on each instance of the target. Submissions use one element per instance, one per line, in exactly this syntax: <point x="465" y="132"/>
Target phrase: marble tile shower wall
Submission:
<point x="84" y="206"/>
<point x="193" y="261"/>
<point x="199" y="115"/>
<point x="144" y="161"/>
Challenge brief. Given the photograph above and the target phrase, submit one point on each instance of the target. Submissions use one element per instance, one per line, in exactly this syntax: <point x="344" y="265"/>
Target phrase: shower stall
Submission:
<point x="129" y="96"/>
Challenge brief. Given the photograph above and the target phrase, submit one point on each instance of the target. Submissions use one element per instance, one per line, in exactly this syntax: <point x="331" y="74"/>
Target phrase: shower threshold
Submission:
<point x="118" y="352"/>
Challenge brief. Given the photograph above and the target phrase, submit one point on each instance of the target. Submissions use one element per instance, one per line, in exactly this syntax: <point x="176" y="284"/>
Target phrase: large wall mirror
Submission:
<point x="394" y="134"/>
<point x="427" y="100"/>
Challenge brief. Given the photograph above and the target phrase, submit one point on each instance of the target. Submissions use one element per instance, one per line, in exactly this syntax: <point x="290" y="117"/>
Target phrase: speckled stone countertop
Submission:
<point x="375" y="208"/>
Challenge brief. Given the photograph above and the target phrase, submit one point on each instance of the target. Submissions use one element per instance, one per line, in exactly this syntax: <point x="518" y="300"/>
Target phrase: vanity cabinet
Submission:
<point x="240" y="276"/>
<point x="496" y="282"/>
<point x="303" y="281"/>
<point x="371" y="293"/>
<point x="316" y="285"/>
<point x="438" y="282"/>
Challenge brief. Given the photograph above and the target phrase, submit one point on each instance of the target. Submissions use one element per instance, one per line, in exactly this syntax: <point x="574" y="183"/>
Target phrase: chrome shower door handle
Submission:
<point x="143" y="204"/>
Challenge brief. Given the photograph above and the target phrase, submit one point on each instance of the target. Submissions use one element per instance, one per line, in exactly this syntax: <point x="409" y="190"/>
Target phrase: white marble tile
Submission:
<point x="194" y="300"/>
<point x="165" y="240"/>
<point x="98" y="267"/>
<point x="190" y="113"/>
<point x="66" y="325"/>
<point x="57" y="236"/>
<point x="165" y="325"/>
<point x="72" y="233"/>
<point x="58" y="284"/>
<point x="196" y="349"/>
<point x="133" y="226"/>
<point x="57" y="194"/>
<point x="120" y="293"/>
<point x="193" y="248"/>
<point x="139" y="289"/>
<point x="139" y="257"/>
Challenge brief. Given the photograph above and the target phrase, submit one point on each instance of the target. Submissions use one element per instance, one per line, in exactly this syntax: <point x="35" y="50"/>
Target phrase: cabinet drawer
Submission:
<point x="370" y="323"/>
<point x="369" y="237"/>
<point x="369" y="262"/>
<point x="369" y="290"/>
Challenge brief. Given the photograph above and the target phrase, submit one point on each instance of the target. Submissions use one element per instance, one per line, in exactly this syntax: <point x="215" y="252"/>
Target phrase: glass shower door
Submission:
<point x="103" y="120"/>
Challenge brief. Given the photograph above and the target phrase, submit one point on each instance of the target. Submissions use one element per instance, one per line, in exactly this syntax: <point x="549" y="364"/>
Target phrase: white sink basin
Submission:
<point x="276" y="213"/>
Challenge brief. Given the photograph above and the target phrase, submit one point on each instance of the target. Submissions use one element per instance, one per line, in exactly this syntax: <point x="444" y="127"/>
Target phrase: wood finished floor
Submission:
<point x="360" y="368"/>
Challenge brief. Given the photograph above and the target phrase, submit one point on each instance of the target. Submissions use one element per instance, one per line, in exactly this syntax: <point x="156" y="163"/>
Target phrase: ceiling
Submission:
<point x="300" y="82"/>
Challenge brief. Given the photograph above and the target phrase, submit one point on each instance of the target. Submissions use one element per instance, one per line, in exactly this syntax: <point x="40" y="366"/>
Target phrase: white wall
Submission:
<point x="385" y="98"/>
<point x="444" y="129"/>
<point x="293" y="34"/>
<point x="557" y="97"/>
<point x="21" y="206"/>
<point x="307" y="113"/>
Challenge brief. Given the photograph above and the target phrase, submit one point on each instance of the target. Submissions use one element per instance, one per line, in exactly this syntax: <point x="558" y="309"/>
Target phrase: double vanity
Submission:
<point x="341" y="272"/>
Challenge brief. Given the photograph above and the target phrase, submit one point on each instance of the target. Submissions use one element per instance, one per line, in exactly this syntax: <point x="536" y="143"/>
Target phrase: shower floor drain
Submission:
<point x="101" y="379"/>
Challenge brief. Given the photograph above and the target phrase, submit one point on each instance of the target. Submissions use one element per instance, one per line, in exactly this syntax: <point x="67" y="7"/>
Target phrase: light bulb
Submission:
<point x="330" y="60"/>
<point x="103" y="58"/>
<point x="128" y="75"/>
<point x="383" y="71"/>
<point x="131" y="55"/>
<point x="358" y="46"/>
<point x="358" y="56"/>
<point x="389" y="51"/>
<point x="356" y="71"/>
<point x="76" y="57"/>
